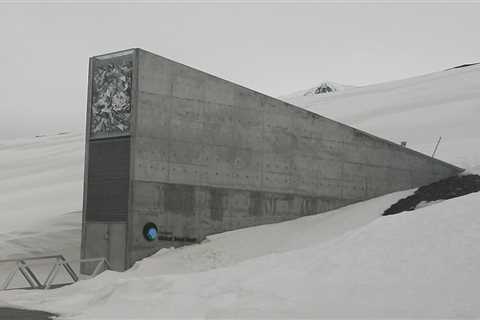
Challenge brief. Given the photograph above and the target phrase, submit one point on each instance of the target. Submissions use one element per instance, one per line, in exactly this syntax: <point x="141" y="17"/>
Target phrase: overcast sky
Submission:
<point x="272" y="48"/>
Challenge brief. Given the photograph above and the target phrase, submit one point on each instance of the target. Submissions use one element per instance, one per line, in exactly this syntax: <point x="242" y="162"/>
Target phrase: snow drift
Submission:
<point x="406" y="265"/>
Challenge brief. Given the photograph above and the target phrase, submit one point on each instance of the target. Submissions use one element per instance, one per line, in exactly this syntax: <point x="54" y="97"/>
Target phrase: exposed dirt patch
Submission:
<point x="441" y="190"/>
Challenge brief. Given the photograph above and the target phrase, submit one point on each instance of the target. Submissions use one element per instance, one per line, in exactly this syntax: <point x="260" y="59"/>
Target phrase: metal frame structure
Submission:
<point x="23" y="266"/>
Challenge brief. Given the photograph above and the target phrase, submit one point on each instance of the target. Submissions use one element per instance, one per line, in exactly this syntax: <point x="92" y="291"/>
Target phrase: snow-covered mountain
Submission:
<point x="326" y="87"/>
<point x="350" y="262"/>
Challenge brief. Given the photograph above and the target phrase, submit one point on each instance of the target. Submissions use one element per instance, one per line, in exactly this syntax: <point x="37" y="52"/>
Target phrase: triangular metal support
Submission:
<point x="23" y="265"/>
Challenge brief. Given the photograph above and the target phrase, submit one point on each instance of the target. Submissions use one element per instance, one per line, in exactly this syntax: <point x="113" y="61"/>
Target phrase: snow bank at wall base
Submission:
<point x="406" y="265"/>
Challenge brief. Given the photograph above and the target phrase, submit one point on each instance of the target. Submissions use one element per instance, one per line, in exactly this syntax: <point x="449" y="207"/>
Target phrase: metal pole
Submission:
<point x="54" y="274"/>
<point x="32" y="276"/>
<point x="436" y="146"/>
<point x="47" y="279"/>
<point x="25" y="274"/>
<point x="10" y="278"/>
<point x="100" y="264"/>
<point x="69" y="269"/>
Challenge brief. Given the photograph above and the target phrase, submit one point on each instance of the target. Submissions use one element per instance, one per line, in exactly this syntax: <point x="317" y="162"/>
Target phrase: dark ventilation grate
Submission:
<point x="108" y="180"/>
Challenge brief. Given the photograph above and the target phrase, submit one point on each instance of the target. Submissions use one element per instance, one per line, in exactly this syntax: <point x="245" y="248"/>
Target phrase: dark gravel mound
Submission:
<point x="441" y="190"/>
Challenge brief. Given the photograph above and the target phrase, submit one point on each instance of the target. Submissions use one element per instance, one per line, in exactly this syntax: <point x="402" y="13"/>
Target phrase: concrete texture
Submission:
<point x="208" y="156"/>
<point x="105" y="239"/>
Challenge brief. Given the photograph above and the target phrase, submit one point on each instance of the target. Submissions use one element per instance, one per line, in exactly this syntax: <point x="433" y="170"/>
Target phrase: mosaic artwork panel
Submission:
<point x="111" y="100"/>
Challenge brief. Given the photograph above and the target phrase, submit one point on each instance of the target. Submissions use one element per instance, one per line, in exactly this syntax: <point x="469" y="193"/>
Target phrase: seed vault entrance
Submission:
<point x="174" y="154"/>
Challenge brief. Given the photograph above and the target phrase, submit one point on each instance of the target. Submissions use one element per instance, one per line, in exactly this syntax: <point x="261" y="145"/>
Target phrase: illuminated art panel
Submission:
<point x="111" y="99"/>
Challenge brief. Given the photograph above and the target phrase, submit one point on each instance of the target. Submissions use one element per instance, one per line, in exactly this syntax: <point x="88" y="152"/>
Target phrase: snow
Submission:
<point x="41" y="179"/>
<point x="351" y="262"/>
<point x="417" y="110"/>
<point x="40" y="198"/>
<point x="406" y="265"/>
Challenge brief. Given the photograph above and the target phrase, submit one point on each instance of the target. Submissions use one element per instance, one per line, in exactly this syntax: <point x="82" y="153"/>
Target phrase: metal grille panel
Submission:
<point x="108" y="180"/>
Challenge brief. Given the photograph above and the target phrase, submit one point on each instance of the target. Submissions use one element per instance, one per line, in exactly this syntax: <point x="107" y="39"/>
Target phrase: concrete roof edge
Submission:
<point x="397" y="146"/>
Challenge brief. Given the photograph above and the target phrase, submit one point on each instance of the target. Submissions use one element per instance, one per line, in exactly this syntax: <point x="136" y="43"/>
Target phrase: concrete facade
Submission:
<point x="207" y="156"/>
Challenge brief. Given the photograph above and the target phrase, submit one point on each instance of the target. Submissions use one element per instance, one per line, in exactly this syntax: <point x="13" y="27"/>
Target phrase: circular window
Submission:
<point x="150" y="231"/>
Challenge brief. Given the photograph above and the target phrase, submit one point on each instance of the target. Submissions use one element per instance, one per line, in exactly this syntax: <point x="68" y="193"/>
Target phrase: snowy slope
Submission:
<point x="40" y="179"/>
<point x="41" y="195"/>
<point x="40" y="198"/>
<point x="407" y="265"/>
<point x="345" y="263"/>
<point x="417" y="110"/>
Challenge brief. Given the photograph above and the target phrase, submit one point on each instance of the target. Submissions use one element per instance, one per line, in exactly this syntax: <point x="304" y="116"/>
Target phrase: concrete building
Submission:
<point x="174" y="154"/>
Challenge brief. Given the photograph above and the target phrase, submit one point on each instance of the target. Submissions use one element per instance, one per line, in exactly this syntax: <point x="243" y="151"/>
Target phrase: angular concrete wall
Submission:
<point x="210" y="156"/>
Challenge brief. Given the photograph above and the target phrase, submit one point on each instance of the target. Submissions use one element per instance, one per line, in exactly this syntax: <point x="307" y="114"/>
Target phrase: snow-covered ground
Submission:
<point x="345" y="263"/>
<point x="40" y="177"/>
<point x="41" y="195"/>
<point x="417" y="110"/>
<point x="408" y="265"/>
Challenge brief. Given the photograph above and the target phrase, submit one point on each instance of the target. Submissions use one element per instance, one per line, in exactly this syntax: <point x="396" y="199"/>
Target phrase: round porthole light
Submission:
<point x="150" y="231"/>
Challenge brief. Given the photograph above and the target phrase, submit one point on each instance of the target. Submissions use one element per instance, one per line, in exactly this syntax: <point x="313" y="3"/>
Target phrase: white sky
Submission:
<point x="271" y="48"/>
